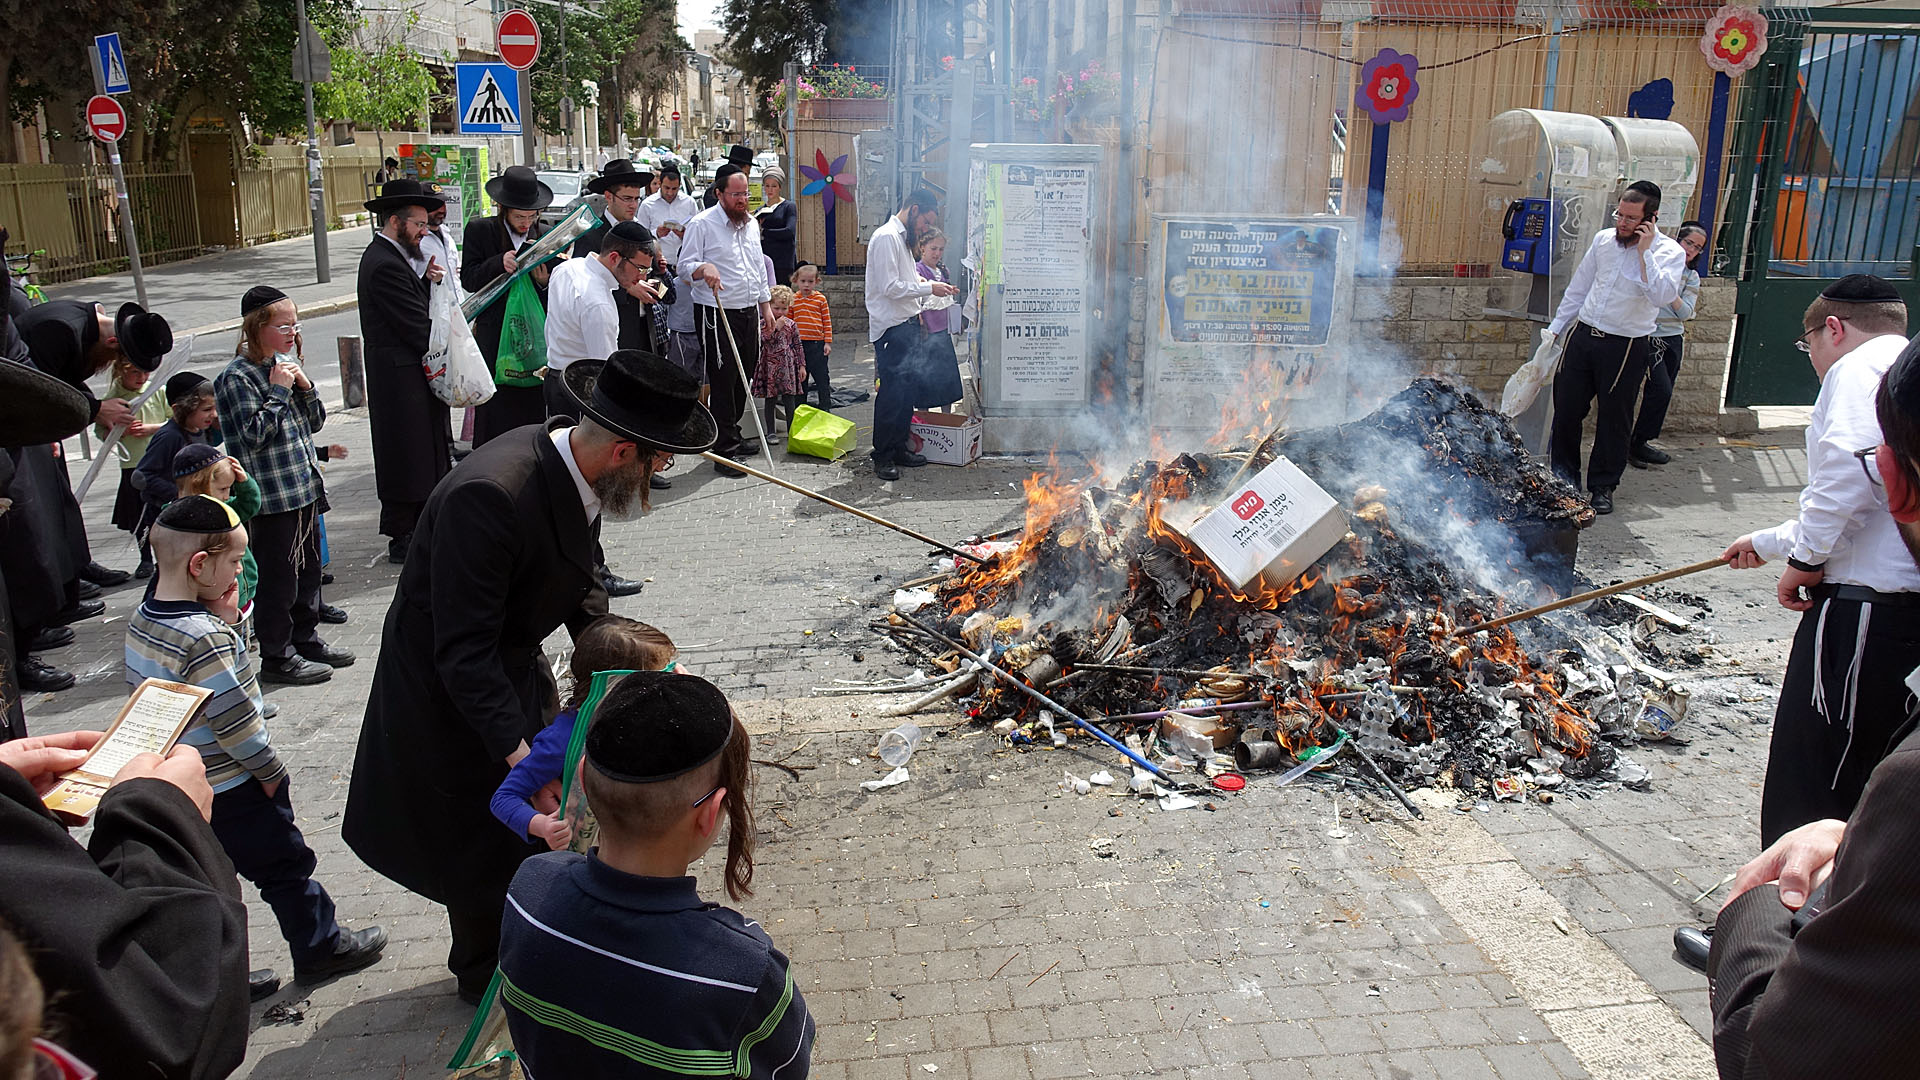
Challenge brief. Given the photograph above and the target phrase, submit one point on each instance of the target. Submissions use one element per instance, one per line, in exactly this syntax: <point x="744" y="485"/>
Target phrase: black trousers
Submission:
<point x="509" y="407"/>
<point x="266" y="847"/>
<point x="1607" y="368"/>
<point x="816" y="354"/>
<point x="286" y="603"/>
<point x="1817" y="766"/>
<point x="728" y="398"/>
<point x="475" y="950"/>
<point x="1663" y="369"/>
<point x="893" y="357"/>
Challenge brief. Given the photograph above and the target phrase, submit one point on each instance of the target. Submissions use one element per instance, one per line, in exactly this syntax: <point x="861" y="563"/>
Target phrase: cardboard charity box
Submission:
<point x="945" y="438"/>
<point x="1272" y="527"/>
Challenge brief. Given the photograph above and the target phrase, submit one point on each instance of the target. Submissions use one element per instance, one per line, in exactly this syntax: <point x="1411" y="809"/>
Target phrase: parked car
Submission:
<point x="567" y="186"/>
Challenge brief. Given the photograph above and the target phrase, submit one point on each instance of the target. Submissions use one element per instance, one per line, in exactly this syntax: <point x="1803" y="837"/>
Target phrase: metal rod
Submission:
<point x="1043" y="699"/>
<point x="1593" y="594"/>
<point x="838" y="505"/>
<point x="1201" y="710"/>
<point x="1381" y="773"/>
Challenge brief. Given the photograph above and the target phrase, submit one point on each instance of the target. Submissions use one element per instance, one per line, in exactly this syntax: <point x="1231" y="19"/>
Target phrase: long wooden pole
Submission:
<point x="838" y="505"/>
<point x="1579" y="598"/>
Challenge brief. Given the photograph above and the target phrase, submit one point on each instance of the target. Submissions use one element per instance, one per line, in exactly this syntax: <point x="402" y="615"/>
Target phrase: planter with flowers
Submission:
<point x="835" y="93"/>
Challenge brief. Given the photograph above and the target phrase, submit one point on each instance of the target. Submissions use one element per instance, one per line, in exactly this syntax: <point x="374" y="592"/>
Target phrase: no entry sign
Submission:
<point x="106" y="120"/>
<point x="676" y="116"/>
<point x="518" y="38"/>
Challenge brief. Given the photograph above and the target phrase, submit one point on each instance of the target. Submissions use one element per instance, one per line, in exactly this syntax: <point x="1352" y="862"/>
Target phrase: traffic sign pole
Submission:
<point x="107" y="120"/>
<point x="516" y="37"/>
<point x="526" y="121"/>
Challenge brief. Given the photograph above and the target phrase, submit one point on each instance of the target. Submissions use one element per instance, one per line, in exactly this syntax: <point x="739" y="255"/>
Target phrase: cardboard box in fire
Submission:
<point x="1272" y="527"/>
<point x="945" y="438"/>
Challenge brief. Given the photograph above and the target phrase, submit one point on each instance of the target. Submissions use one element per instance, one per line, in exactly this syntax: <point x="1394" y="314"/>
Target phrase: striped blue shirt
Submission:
<point x="181" y="641"/>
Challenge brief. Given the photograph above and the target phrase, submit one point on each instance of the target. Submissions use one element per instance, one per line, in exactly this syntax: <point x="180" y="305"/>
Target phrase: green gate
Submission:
<point x="1825" y="182"/>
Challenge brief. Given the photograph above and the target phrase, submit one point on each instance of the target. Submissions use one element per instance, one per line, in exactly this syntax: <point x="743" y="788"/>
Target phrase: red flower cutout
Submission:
<point x="1734" y="40"/>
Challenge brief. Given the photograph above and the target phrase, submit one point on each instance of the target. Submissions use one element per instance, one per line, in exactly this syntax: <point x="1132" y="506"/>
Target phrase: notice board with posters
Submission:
<point x="1244" y="312"/>
<point x="1029" y="209"/>
<point x="460" y="172"/>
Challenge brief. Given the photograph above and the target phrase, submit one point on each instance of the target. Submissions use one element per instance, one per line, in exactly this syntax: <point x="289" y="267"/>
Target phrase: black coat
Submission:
<point x="481" y="248"/>
<point x="411" y="435"/>
<point x="779" y="232"/>
<point x="60" y="335"/>
<point x="139" y="938"/>
<point x="502" y="556"/>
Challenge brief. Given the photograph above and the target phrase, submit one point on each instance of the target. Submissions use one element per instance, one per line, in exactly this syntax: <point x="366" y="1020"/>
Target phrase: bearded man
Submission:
<point x="502" y="556"/>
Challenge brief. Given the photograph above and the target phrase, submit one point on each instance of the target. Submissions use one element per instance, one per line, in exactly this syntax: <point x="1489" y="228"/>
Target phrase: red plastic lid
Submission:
<point x="1230" y="781"/>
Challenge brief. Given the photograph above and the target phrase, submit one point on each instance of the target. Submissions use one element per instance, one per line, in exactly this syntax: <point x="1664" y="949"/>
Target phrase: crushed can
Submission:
<point x="1661" y="712"/>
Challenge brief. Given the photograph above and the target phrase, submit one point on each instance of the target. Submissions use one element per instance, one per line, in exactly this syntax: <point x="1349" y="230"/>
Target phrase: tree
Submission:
<point x="377" y="81"/>
<point x="763" y="38"/>
<point x="625" y="47"/>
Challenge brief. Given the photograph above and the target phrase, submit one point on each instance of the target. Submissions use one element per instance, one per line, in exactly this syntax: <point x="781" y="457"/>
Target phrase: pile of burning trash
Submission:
<point x="1124" y="605"/>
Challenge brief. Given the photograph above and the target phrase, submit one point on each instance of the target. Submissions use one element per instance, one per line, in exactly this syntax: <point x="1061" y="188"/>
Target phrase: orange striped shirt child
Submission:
<point x="810" y="312"/>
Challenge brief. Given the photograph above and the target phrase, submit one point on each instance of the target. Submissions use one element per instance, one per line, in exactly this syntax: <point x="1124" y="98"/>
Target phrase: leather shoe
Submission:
<point x="886" y="470"/>
<point x="261" y="983"/>
<point x="1645" y="456"/>
<point x="910" y="460"/>
<point x="104" y="576"/>
<point x="748" y="448"/>
<point x="73" y="613"/>
<point x="50" y="637"/>
<point x="1602" y="500"/>
<point x="294" y="671"/>
<point x="397" y="550"/>
<point x="322" y="653"/>
<point x="617" y="585"/>
<point x="86" y="590"/>
<point x="352" y="950"/>
<point x="331" y="614"/>
<point x="658" y="482"/>
<point x="41" y="677"/>
<point x="470" y="995"/>
<point x="728" y="470"/>
<point x="1691" y="946"/>
<point x="268" y="710"/>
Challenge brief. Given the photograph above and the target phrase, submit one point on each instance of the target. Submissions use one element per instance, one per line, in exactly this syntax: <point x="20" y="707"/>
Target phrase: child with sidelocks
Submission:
<point x="128" y="382"/>
<point x="609" y="643"/>
<point x="815" y="320"/>
<point x="611" y="964"/>
<point x="782" y="371"/>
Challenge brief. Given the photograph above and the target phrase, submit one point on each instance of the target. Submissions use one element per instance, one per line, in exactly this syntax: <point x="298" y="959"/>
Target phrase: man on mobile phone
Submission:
<point x="1606" y="321"/>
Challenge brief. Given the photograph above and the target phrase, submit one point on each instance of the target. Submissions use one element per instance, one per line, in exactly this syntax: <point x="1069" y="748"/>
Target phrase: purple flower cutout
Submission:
<point x="1387" y="86"/>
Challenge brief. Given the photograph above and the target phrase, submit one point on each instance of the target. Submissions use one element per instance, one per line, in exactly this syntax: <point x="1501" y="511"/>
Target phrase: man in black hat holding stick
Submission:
<point x="412" y="439"/>
<point x="489" y="248"/>
<point x="503" y="556"/>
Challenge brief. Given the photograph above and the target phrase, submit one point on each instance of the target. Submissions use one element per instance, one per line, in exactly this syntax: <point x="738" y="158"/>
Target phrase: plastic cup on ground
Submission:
<point x="898" y="745"/>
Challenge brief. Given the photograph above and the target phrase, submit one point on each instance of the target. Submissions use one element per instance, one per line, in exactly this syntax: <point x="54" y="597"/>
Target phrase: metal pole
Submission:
<point x="126" y="223"/>
<point x="316" y="187"/>
<point x="793" y="123"/>
<point x="959" y="148"/>
<point x="529" y="157"/>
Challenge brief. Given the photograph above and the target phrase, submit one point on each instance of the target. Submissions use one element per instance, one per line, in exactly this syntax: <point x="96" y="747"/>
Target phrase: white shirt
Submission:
<point x="656" y="211"/>
<point x="582" y="321"/>
<point x="563" y="442"/>
<point x="1608" y="292"/>
<point x="1843" y="520"/>
<point x="438" y="244"/>
<point x="894" y="284"/>
<point x="732" y="250"/>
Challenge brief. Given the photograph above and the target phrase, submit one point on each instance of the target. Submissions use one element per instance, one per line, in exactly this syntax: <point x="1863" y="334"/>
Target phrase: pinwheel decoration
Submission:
<point x="826" y="179"/>
<point x="1734" y="40"/>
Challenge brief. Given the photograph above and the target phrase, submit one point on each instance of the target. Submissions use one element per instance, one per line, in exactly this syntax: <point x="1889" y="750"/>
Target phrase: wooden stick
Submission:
<point x="1196" y="673"/>
<point x="838" y="505"/>
<point x="1595" y="594"/>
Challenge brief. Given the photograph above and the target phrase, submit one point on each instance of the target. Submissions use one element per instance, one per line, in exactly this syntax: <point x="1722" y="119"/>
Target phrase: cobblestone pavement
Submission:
<point x="965" y="924"/>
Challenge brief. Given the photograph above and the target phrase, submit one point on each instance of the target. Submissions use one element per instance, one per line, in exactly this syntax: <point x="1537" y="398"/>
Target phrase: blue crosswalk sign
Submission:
<point x="112" y="64"/>
<point x="489" y="99"/>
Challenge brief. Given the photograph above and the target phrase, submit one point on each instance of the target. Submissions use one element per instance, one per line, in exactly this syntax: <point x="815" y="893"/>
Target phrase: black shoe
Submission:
<point x="886" y="470"/>
<point x="1645" y="455"/>
<point x="261" y="983"/>
<point x="1691" y="946"/>
<point x="50" y="637"/>
<point x="617" y="585"/>
<point x="73" y="613"/>
<point x="326" y="579"/>
<point x="322" y="653"/>
<point x="145" y="569"/>
<point x="86" y="590"/>
<point x="41" y="677"/>
<point x="296" y="671"/>
<point x="1602" y="500"/>
<point x="747" y="449"/>
<point x="331" y="614"/>
<point x="105" y="577"/>
<point x="910" y="460"/>
<point x="352" y="950"/>
<point x="658" y="482"/>
<point x="470" y="995"/>
<point x="728" y="470"/>
<point x="397" y="549"/>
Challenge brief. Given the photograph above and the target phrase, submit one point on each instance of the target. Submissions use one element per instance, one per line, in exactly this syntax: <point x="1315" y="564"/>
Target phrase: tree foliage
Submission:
<point x="763" y="38"/>
<point x="377" y="81"/>
<point x="627" y="48"/>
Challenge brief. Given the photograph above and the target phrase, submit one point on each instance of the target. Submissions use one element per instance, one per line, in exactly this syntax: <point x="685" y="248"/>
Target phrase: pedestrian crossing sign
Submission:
<point x="489" y="99"/>
<point x="111" y="64"/>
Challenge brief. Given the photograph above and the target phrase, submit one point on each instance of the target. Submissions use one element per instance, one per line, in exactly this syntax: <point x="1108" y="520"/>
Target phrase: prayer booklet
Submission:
<point x="149" y="723"/>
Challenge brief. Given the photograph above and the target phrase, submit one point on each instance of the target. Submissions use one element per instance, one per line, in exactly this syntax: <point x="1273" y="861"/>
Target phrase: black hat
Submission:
<point x="741" y="155"/>
<point x="258" y="297"/>
<point x="632" y="232"/>
<point x="37" y="408"/>
<point x="645" y="398"/>
<point x="194" y="457"/>
<point x="182" y="384"/>
<point x="198" y="514"/>
<point x="1861" y="289"/>
<point x="395" y="194"/>
<point x="656" y="725"/>
<point x="619" y="172"/>
<point x="144" y="337"/>
<point x="519" y="189"/>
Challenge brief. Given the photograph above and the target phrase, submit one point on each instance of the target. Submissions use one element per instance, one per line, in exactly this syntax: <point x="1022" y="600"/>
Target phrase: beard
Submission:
<point x="740" y="218"/>
<point x="623" y="492"/>
<point x="412" y="247"/>
<point x="1625" y="241"/>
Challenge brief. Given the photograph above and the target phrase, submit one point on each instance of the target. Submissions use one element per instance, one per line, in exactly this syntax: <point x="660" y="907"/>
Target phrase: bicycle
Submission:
<point x="21" y="268"/>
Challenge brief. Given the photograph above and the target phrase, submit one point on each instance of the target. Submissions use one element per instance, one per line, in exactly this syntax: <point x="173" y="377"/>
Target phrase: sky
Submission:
<point x="698" y="15"/>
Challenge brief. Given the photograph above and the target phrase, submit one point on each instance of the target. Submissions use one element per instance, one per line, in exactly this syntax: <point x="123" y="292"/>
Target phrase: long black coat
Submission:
<point x="503" y="556"/>
<point x="481" y="248"/>
<point x="411" y="436"/>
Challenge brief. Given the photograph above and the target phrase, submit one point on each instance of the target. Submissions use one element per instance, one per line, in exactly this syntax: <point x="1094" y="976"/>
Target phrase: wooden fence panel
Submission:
<point x="831" y="136"/>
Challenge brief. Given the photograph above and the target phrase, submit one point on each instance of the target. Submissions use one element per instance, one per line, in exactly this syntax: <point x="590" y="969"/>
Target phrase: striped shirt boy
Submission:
<point x="812" y="315"/>
<point x="181" y="641"/>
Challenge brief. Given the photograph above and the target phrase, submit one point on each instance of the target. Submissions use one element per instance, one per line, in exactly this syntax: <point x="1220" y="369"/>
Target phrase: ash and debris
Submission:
<point x="1112" y="612"/>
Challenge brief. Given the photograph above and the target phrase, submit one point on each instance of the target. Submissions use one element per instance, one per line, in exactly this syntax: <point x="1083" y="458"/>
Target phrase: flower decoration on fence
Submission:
<point x="1734" y="40"/>
<point x="828" y="82"/>
<point x="1387" y="86"/>
<point x="827" y="179"/>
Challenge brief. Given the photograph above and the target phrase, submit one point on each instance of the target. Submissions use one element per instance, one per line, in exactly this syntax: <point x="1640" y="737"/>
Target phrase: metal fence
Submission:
<point x="71" y="213"/>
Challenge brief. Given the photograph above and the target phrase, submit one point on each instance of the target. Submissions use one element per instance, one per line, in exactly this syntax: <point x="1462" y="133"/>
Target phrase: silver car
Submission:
<point x="567" y="186"/>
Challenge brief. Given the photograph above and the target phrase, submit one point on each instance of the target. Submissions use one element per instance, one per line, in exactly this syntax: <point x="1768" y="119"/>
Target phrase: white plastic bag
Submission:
<point x="456" y="372"/>
<point x="1534" y="376"/>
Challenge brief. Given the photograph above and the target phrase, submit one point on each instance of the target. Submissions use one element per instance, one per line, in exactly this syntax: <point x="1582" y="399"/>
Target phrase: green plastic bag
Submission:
<point x="523" y="337"/>
<point x="821" y="434"/>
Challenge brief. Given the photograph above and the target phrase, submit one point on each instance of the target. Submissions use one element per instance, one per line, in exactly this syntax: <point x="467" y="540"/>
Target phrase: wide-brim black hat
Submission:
<point x="144" y="336"/>
<point x="395" y="194"/>
<point x="617" y="173"/>
<point x="37" y="408"/>
<point x="645" y="398"/>
<point x="519" y="188"/>
<point x="741" y="154"/>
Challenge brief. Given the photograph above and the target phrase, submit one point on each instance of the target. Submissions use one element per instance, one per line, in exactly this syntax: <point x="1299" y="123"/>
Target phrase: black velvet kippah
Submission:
<point x="180" y="385"/>
<point x="1861" y="289"/>
<point x="198" y="514"/>
<point x="656" y="725"/>
<point x="258" y="297"/>
<point x="633" y="232"/>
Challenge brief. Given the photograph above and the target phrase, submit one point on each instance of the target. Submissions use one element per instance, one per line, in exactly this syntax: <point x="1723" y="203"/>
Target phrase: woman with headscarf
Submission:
<point x="778" y="225"/>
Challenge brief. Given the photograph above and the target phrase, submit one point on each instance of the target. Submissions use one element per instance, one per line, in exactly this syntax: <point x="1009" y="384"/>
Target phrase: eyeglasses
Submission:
<point x="288" y="328"/>
<point x="632" y="199"/>
<point x="708" y="795"/>
<point x="1873" y="474"/>
<point x="1631" y="221"/>
<point x="1803" y="344"/>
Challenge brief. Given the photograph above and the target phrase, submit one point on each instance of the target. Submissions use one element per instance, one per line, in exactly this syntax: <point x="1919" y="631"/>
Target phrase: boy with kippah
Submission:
<point x="610" y="963"/>
<point x="183" y="633"/>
